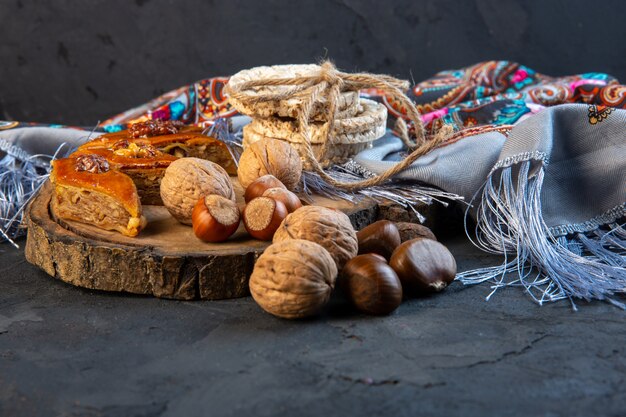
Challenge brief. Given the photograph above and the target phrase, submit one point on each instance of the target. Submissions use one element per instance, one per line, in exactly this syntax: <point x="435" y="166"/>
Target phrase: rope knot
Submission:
<point x="328" y="85"/>
<point x="329" y="74"/>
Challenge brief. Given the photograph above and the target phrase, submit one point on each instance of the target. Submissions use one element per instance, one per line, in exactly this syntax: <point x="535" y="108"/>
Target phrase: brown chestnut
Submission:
<point x="423" y="265"/>
<point x="262" y="216"/>
<point x="215" y="218"/>
<point x="289" y="199"/>
<point x="376" y="256"/>
<point x="371" y="285"/>
<point x="260" y="185"/>
<point x="410" y="231"/>
<point x="381" y="237"/>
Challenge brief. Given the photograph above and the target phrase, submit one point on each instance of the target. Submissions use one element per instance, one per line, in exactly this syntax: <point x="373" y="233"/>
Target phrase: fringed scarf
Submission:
<point x="553" y="200"/>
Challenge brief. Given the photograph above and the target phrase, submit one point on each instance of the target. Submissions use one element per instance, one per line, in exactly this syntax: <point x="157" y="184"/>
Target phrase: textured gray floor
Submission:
<point x="71" y="352"/>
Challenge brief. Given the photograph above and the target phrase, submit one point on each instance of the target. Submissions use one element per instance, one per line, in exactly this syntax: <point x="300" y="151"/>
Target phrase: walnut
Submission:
<point x="187" y="180"/>
<point x="121" y="144"/>
<point x="95" y="164"/>
<point x="329" y="228"/>
<point x="293" y="279"/>
<point x="154" y="128"/>
<point x="135" y="150"/>
<point x="270" y="156"/>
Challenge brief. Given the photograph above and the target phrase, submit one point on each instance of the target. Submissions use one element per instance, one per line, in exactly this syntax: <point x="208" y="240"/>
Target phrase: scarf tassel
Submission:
<point x="587" y="266"/>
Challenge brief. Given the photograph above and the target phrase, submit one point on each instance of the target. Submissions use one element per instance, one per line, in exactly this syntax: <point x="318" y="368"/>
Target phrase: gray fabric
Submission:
<point x="459" y="168"/>
<point x="585" y="178"/>
<point x="45" y="140"/>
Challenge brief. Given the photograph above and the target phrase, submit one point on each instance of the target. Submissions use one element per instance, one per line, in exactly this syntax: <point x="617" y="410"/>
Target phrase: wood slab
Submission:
<point x="165" y="260"/>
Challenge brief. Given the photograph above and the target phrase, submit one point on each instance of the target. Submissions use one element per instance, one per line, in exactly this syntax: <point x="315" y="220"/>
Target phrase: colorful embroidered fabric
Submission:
<point x="199" y="103"/>
<point x="502" y="92"/>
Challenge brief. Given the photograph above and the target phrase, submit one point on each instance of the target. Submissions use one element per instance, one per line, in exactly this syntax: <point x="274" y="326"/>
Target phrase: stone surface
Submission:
<point x="74" y="352"/>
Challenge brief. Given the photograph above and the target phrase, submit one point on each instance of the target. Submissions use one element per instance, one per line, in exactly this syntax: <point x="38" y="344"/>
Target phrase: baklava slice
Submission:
<point x="87" y="190"/>
<point x="173" y="138"/>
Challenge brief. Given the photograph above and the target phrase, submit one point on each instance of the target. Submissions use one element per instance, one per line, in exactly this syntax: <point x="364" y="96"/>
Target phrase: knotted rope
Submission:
<point x="329" y="83"/>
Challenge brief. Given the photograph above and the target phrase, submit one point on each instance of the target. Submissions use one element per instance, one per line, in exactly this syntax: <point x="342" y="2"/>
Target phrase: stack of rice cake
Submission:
<point x="358" y="121"/>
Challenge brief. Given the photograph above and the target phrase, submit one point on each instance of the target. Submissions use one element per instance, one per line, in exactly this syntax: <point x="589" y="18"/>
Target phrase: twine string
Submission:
<point x="328" y="84"/>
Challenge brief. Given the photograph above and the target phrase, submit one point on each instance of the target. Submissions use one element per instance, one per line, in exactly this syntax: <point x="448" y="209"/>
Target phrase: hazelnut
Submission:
<point x="330" y="228"/>
<point x="381" y="237"/>
<point x="371" y="285"/>
<point x="410" y="231"/>
<point x="270" y="156"/>
<point x="187" y="180"/>
<point x="262" y="216"/>
<point x="289" y="199"/>
<point x="260" y="185"/>
<point x="423" y="265"/>
<point x="293" y="279"/>
<point x="215" y="218"/>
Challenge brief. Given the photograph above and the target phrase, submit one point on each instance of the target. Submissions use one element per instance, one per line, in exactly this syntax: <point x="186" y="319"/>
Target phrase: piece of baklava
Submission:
<point x="87" y="190"/>
<point x="173" y="138"/>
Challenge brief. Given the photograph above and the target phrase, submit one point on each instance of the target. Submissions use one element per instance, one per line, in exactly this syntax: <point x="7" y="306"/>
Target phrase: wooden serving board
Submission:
<point x="165" y="260"/>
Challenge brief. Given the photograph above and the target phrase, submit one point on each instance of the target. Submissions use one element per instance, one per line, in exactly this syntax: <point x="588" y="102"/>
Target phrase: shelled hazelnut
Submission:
<point x="381" y="237"/>
<point x="423" y="265"/>
<point x="371" y="285"/>
<point x="215" y="218"/>
<point x="262" y="216"/>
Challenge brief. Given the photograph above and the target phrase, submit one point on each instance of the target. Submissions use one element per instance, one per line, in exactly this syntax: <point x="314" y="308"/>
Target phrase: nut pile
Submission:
<point x="200" y="193"/>
<point x="374" y="267"/>
<point x="314" y="249"/>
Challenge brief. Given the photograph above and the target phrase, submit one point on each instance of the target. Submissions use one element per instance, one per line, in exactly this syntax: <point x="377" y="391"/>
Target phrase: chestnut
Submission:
<point x="260" y="185"/>
<point x="377" y="257"/>
<point x="262" y="216"/>
<point x="371" y="285"/>
<point x="410" y="231"/>
<point x="215" y="218"/>
<point x="381" y="237"/>
<point x="423" y="265"/>
<point x="289" y="199"/>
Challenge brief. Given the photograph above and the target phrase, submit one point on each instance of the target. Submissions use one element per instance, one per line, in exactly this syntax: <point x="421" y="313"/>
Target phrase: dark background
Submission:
<point x="78" y="62"/>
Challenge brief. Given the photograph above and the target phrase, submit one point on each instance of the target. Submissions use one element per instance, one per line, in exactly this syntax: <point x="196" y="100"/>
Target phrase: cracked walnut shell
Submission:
<point x="327" y="227"/>
<point x="270" y="156"/>
<point x="293" y="279"/>
<point x="187" y="180"/>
